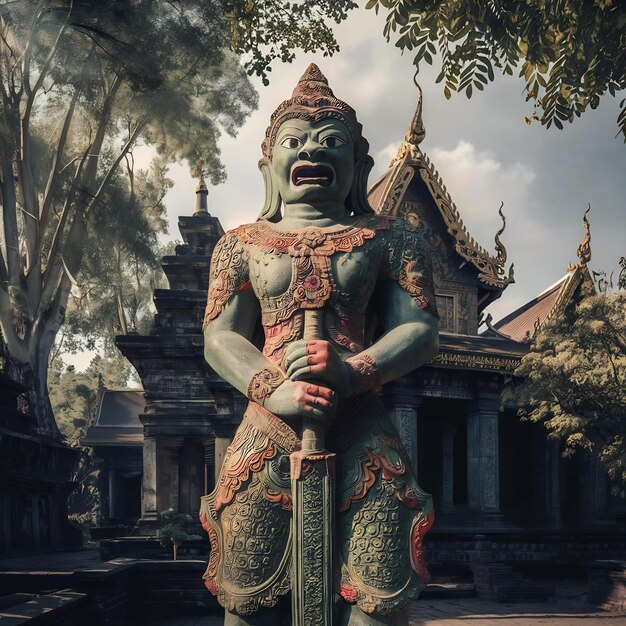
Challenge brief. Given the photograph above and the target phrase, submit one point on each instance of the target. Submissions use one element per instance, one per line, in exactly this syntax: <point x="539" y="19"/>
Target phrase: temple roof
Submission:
<point x="117" y="421"/>
<point x="524" y="323"/>
<point x="387" y="194"/>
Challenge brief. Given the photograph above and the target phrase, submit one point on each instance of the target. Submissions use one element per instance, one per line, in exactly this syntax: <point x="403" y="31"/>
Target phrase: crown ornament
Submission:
<point x="314" y="100"/>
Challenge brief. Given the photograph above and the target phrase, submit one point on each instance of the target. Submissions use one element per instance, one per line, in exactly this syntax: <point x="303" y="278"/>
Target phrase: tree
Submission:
<point x="172" y="530"/>
<point x="121" y="266"/>
<point x="80" y="84"/>
<point x="571" y="52"/>
<point x="575" y="380"/>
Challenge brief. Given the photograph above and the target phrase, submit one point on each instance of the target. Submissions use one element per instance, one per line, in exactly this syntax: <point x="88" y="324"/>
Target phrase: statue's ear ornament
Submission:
<point x="272" y="203"/>
<point x="357" y="201"/>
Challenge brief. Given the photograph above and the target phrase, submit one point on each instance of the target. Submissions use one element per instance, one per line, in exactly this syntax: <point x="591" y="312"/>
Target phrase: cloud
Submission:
<point x="478" y="183"/>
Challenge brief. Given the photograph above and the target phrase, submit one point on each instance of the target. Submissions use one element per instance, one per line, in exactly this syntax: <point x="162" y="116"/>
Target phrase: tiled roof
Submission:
<point x="117" y="422"/>
<point x="522" y="323"/>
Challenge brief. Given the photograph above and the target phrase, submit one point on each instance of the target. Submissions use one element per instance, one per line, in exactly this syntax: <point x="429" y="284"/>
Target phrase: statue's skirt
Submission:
<point x="382" y="514"/>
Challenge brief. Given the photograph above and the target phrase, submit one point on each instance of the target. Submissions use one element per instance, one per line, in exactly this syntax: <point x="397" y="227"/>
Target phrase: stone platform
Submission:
<point x="77" y="588"/>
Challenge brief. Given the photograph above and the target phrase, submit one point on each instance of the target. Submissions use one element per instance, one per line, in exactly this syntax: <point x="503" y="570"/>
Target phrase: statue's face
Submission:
<point x="313" y="161"/>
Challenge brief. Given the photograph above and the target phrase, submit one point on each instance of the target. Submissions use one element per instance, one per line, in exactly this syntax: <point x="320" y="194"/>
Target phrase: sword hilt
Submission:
<point x="312" y="429"/>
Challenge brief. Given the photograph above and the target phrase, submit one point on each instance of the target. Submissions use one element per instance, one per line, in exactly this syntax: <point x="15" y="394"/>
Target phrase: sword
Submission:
<point x="312" y="488"/>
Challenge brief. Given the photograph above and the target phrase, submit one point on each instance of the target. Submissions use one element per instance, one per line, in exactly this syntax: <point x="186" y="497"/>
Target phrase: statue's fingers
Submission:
<point x="323" y="392"/>
<point x="319" y="402"/>
<point x="296" y="346"/>
<point x="318" y="413"/>
<point x="296" y="365"/>
<point x="294" y="355"/>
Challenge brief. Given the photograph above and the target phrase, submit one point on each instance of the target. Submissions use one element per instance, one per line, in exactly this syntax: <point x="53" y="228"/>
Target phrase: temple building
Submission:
<point x="116" y="437"/>
<point x="487" y="470"/>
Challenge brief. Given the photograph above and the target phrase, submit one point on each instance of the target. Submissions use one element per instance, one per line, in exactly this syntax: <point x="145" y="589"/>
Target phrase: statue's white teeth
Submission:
<point x="312" y="175"/>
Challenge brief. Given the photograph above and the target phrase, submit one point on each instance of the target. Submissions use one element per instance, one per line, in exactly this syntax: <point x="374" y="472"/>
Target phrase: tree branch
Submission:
<point x="9" y="216"/>
<point x="105" y="181"/>
<point x="54" y="171"/>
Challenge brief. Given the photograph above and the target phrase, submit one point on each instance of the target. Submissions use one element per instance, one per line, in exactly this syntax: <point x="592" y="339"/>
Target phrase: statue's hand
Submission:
<point x="317" y="360"/>
<point x="293" y="399"/>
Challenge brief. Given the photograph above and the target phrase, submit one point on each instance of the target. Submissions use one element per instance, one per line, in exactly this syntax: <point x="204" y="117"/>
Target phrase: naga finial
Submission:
<point x="500" y="249"/>
<point x="416" y="131"/>
<point x="584" y="249"/>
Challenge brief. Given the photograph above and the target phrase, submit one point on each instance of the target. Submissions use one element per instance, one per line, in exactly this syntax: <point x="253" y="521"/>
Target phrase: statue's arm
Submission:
<point x="231" y="316"/>
<point x="410" y="338"/>
<point x="407" y="311"/>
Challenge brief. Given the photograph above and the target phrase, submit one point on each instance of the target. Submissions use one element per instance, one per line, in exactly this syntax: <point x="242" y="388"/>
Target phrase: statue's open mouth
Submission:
<point x="312" y="175"/>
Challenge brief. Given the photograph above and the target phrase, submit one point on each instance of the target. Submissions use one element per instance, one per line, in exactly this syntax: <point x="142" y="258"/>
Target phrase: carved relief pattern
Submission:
<point x="311" y="283"/>
<point x="228" y="275"/>
<point x="248" y="514"/>
<point x="279" y="336"/>
<point x="421" y="525"/>
<point x="445" y="307"/>
<point x="257" y="545"/>
<point x="313" y="545"/>
<point x="263" y="384"/>
<point x="214" y="559"/>
<point x="410" y="266"/>
<point x="376" y="571"/>
<point x="476" y="361"/>
<point x="490" y="269"/>
<point x="344" y="333"/>
<point x="310" y="241"/>
<point x="364" y="374"/>
<point x="245" y="455"/>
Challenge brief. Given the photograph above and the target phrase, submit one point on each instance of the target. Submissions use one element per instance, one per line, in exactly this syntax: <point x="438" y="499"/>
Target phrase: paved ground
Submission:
<point x="475" y="612"/>
<point x="569" y="609"/>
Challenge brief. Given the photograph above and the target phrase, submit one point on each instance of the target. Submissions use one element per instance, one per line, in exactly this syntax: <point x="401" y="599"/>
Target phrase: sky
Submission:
<point x="482" y="148"/>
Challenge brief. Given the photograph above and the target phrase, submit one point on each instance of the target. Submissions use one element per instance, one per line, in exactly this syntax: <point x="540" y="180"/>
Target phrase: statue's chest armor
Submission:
<point x="350" y="273"/>
<point x="312" y="268"/>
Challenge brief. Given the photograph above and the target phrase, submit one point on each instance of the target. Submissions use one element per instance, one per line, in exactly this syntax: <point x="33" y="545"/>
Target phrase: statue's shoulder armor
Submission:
<point x="409" y="262"/>
<point x="228" y="272"/>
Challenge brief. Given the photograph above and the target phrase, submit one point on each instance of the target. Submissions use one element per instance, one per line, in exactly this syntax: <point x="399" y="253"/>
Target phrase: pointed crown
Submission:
<point x="313" y="100"/>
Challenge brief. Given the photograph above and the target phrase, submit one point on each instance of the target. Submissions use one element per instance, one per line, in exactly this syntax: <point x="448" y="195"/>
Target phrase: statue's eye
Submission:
<point x="291" y="142"/>
<point x="332" y="141"/>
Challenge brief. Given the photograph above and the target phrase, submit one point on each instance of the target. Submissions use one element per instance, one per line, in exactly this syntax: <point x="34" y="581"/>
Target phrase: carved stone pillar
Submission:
<point x="447" y="500"/>
<point x="149" y="484"/>
<point x="483" y="462"/>
<point x="403" y="403"/>
<point x="168" y="455"/>
<point x="593" y="489"/>
<point x="553" y="486"/>
<point x="112" y="494"/>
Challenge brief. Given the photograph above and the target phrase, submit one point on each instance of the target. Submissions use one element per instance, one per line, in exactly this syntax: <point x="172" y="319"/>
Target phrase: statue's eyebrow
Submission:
<point x="292" y="129"/>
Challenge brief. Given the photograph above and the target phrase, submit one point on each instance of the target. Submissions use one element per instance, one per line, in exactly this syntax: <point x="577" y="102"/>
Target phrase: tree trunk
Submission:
<point x="27" y="355"/>
<point x="39" y="399"/>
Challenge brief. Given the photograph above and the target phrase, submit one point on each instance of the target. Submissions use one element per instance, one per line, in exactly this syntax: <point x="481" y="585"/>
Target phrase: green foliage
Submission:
<point x="571" y="52"/>
<point x="121" y="265"/>
<point x="575" y="381"/>
<point x="274" y="29"/>
<point x="172" y="529"/>
<point x="81" y="85"/>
